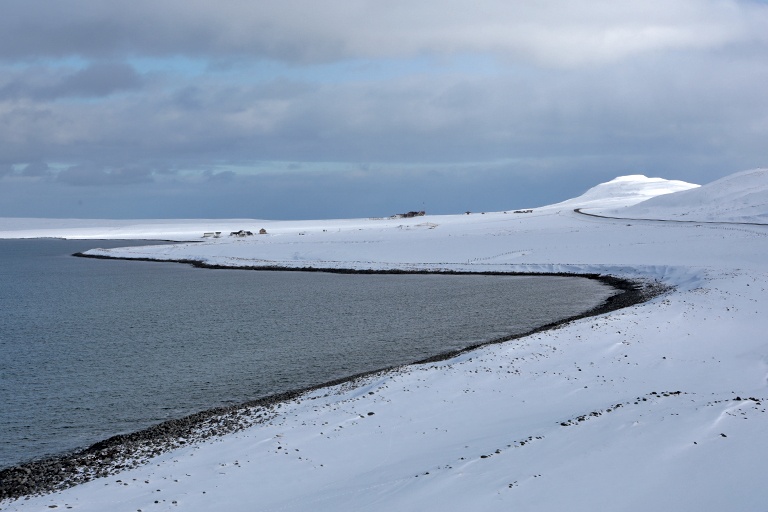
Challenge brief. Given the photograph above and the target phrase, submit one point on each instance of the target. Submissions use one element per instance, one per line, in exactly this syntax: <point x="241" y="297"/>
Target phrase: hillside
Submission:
<point x="624" y="191"/>
<point x="740" y="197"/>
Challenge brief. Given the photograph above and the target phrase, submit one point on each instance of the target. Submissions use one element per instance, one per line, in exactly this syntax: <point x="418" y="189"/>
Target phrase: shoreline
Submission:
<point x="518" y="425"/>
<point x="127" y="451"/>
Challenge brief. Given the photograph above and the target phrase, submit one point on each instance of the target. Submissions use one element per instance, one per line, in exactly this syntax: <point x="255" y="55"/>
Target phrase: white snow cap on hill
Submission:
<point x="624" y="191"/>
<point x="740" y="197"/>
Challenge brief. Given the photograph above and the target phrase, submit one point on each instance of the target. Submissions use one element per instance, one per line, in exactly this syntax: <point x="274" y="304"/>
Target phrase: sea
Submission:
<point x="92" y="348"/>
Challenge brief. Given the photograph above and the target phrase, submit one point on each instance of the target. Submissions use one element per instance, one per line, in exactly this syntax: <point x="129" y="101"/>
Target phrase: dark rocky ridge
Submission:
<point x="128" y="451"/>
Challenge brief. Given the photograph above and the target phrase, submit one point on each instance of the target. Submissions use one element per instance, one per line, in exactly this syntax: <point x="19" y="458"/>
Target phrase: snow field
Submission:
<point x="660" y="406"/>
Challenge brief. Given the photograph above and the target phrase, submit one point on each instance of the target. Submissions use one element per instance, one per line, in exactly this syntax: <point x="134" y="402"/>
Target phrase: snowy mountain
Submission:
<point x="624" y="191"/>
<point x="740" y="197"/>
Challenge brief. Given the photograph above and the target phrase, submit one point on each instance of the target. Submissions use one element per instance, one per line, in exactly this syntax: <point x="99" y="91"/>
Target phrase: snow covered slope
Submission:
<point x="660" y="406"/>
<point x="624" y="191"/>
<point x="740" y="197"/>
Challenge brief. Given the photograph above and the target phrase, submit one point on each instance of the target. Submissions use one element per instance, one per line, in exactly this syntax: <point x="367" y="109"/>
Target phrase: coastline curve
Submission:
<point x="125" y="451"/>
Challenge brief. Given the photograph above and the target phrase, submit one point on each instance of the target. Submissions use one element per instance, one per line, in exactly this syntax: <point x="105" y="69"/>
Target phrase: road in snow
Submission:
<point x="661" y="406"/>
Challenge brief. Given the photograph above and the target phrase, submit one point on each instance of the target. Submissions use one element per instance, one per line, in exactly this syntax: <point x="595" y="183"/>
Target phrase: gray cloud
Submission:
<point x="587" y="90"/>
<point x="92" y="175"/>
<point x="670" y="106"/>
<point x="220" y="177"/>
<point x="98" y="80"/>
<point x="36" y="169"/>
<point x="553" y="32"/>
<point x="95" y="81"/>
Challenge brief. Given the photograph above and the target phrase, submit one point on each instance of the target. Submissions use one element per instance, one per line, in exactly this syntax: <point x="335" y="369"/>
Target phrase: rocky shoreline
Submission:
<point x="128" y="451"/>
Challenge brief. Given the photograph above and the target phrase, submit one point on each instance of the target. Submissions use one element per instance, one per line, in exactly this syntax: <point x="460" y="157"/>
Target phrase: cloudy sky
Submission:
<point x="288" y="109"/>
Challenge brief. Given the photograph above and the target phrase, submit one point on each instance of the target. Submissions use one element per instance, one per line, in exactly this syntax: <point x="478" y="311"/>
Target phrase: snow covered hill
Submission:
<point x="740" y="197"/>
<point x="624" y="191"/>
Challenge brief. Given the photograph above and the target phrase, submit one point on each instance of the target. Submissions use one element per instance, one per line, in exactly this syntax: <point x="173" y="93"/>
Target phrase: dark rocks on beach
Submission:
<point x="122" y="452"/>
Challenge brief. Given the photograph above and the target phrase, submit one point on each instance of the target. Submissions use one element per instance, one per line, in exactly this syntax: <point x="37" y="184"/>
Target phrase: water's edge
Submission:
<point x="126" y="451"/>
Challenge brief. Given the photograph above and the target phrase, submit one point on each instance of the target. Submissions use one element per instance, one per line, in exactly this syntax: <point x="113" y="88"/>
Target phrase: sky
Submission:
<point x="298" y="109"/>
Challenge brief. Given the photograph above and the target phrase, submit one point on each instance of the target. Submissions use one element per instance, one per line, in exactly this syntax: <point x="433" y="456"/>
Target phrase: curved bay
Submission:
<point x="93" y="348"/>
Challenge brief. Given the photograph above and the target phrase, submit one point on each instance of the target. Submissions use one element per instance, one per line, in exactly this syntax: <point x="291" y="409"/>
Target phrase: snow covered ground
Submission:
<point x="102" y="229"/>
<point x="740" y="197"/>
<point x="661" y="406"/>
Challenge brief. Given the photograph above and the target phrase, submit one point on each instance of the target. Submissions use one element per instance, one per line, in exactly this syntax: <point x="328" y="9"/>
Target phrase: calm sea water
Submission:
<point x="93" y="348"/>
